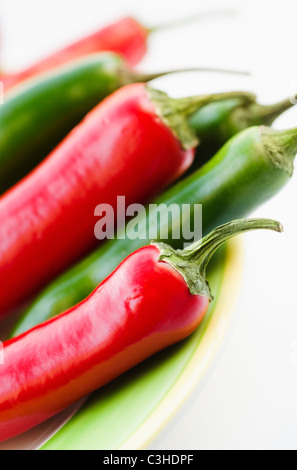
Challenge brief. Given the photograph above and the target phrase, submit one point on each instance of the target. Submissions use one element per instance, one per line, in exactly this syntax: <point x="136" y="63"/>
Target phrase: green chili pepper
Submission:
<point x="216" y="123"/>
<point x="251" y="168"/>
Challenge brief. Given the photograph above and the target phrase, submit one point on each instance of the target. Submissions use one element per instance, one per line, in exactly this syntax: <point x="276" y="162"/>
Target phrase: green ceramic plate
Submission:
<point x="131" y="411"/>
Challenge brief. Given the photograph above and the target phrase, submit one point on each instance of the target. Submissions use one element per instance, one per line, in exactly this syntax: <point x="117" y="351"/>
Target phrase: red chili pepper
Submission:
<point x="133" y="144"/>
<point x="156" y="297"/>
<point x="126" y="36"/>
<point x="47" y="220"/>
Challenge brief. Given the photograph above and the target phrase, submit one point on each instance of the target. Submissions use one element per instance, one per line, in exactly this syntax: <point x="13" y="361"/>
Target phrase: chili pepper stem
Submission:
<point x="268" y="113"/>
<point x="281" y="146"/>
<point x="180" y="22"/>
<point x="288" y="140"/>
<point x="190" y="105"/>
<point x="192" y="262"/>
<point x="175" y="111"/>
<point x="140" y="77"/>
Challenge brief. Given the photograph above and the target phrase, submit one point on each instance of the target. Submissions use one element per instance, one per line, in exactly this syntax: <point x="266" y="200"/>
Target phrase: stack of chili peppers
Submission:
<point x="77" y="130"/>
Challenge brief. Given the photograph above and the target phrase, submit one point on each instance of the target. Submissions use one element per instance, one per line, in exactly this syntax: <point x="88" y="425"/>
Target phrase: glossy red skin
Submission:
<point x="142" y="307"/>
<point x="126" y="37"/>
<point x="47" y="220"/>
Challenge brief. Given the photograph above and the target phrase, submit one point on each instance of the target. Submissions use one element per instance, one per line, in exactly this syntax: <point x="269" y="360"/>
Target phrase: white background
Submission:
<point x="249" y="399"/>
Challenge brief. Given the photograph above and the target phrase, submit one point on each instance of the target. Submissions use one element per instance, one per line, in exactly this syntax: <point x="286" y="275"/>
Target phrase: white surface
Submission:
<point x="249" y="398"/>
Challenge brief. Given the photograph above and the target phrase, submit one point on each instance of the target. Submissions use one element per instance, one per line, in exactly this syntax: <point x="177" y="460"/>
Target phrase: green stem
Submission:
<point x="287" y="140"/>
<point x="180" y="22"/>
<point x="174" y="112"/>
<point x="140" y="77"/>
<point x="190" y="105"/>
<point x="192" y="262"/>
<point x="268" y="113"/>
